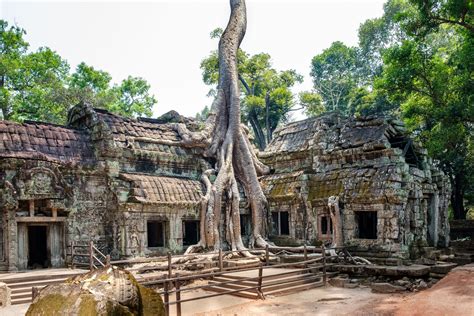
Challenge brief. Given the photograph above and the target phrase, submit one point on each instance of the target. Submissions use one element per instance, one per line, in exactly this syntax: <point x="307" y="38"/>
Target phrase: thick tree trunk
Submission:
<point x="457" y="197"/>
<point x="235" y="158"/>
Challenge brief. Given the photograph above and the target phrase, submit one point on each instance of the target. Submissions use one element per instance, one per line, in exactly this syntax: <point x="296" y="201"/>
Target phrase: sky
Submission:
<point x="165" y="41"/>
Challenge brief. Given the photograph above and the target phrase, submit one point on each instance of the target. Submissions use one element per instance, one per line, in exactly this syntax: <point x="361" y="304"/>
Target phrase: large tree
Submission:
<point x="38" y="86"/>
<point x="28" y="80"/>
<point x="430" y="74"/>
<point x="334" y="73"/>
<point x="226" y="140"/>
<point x="267" y="98"/>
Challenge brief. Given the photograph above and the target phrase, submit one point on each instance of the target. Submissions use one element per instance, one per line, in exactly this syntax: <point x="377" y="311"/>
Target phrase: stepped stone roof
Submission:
<point x="122" y="127"/>
<point x="162" y="190"/>
<point x="43" y="141"/>
<point x="341" y="133"/>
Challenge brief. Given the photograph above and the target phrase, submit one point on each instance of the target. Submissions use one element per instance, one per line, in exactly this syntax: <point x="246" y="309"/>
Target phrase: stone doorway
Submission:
<point x="40" y="245"/>
<point x="37" y="247"/>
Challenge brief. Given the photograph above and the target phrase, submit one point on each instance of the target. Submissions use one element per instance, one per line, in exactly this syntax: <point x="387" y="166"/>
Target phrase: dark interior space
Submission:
<point x="37" y="247"/>
<point x="155" y="234"/>
<point x="284" y="223"/>
<point x="245" y="224"/>
<point x="190" y="233"/>
<point x="280" y="223"/>
<point x="325" y="225"/>
<point x="366" y="224"/>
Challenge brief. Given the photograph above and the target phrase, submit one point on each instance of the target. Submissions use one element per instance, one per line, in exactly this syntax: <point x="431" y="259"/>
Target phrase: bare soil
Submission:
<point x="453" y="295"/>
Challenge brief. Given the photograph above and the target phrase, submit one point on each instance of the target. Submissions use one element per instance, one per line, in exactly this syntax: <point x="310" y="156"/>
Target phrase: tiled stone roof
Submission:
<point x="43" y="141"/>
<point x="162" y="190"/>
<point x="122" y="127"/>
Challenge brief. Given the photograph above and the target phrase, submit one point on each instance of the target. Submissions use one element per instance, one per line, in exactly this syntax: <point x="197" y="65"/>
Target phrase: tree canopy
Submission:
<point x="39" y="86"/>
<point x="267" y="98"/>
<point x="416" y="62"/>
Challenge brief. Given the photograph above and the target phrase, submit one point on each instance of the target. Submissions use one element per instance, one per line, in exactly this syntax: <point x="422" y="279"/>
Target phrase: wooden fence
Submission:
<point x="171" y="283"/>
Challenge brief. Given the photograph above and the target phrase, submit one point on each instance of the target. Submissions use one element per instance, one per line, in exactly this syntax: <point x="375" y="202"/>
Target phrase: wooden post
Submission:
<point x="220" y="260"/>
<point x="72" y="254"/>
<point x="91" y="253"/>
<point x="34" y="292"/>
<point x="267" y="255"/>
<point x="260" y="275"/>
<point x="324" y="265"/>
<point x="178" y="296"/>
<point x="305" y="256"/>
<point x="169" y="265"/>
<point x="107" y="261"/>
<point x="166" y="299"/>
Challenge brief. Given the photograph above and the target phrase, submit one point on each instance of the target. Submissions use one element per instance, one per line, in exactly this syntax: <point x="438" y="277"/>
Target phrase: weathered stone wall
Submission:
<point x="372" y="166"/>
<point x="104" y="177"/>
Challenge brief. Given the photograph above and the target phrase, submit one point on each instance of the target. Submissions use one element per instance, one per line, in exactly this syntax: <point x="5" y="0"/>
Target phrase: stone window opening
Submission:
<point x="39" y="208"/>
<point x="326" y="225"/>
<point x="191" y="232"/>
<point x="281" y="223"/>
<point x="155" y="234"/>
<point x="366" y="223"/>
<point x="245" y="224"/>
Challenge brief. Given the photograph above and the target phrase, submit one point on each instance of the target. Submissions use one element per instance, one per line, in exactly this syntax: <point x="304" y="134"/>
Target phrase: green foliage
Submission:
<point x="38" y="86"/>
<point x="334" y="73"/>
<point x="86" y="77"/>
<point x="428" y="74"/>
<point x="28" y="81"/>
<point x="203" y="115"/>
<point x="312" y="103"/>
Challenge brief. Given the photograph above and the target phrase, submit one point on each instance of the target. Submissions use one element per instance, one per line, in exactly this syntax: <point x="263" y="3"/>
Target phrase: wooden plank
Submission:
<point x="240" y="294"/>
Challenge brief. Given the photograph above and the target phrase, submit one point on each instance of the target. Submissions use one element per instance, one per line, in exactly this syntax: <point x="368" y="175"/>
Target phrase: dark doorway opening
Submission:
<point x="155" y="234"/>
<point x="281" y="223"/>
<point x="37" y="247"/>
<point x="366" y="225"/>
<point x="190" y="233"/>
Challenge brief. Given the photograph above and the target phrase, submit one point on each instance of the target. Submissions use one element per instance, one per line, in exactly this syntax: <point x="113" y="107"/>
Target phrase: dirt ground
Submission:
<point x="453" y="295"/>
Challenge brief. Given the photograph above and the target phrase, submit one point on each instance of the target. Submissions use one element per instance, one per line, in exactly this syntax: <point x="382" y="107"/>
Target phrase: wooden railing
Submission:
<point x="95" y="258"/>
<point x="174" y="281"/>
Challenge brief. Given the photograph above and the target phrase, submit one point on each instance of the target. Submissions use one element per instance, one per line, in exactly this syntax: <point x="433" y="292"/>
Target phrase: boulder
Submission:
<point x="106" y="291"/>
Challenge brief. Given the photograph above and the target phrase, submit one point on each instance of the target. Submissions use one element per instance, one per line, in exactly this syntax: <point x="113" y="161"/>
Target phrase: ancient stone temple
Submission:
<point x="132" y="188"/>
<point x="390" y="194"/>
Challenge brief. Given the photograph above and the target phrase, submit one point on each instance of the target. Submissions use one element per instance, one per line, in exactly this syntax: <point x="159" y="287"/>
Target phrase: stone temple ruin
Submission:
<point x="128" y="185"/>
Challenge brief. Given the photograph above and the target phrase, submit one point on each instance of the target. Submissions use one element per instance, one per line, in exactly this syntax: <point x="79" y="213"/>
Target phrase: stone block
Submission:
<point x="442" y="268"/>
<point x="5" y="295"/>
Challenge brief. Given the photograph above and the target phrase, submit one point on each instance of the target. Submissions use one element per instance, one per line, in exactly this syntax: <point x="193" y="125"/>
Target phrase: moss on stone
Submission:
<point x="49" y="304"/>
<point x="87" y="306"/>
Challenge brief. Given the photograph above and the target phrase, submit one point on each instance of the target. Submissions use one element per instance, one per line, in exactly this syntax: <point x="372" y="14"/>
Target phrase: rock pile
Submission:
<point x="107" y="291"/>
